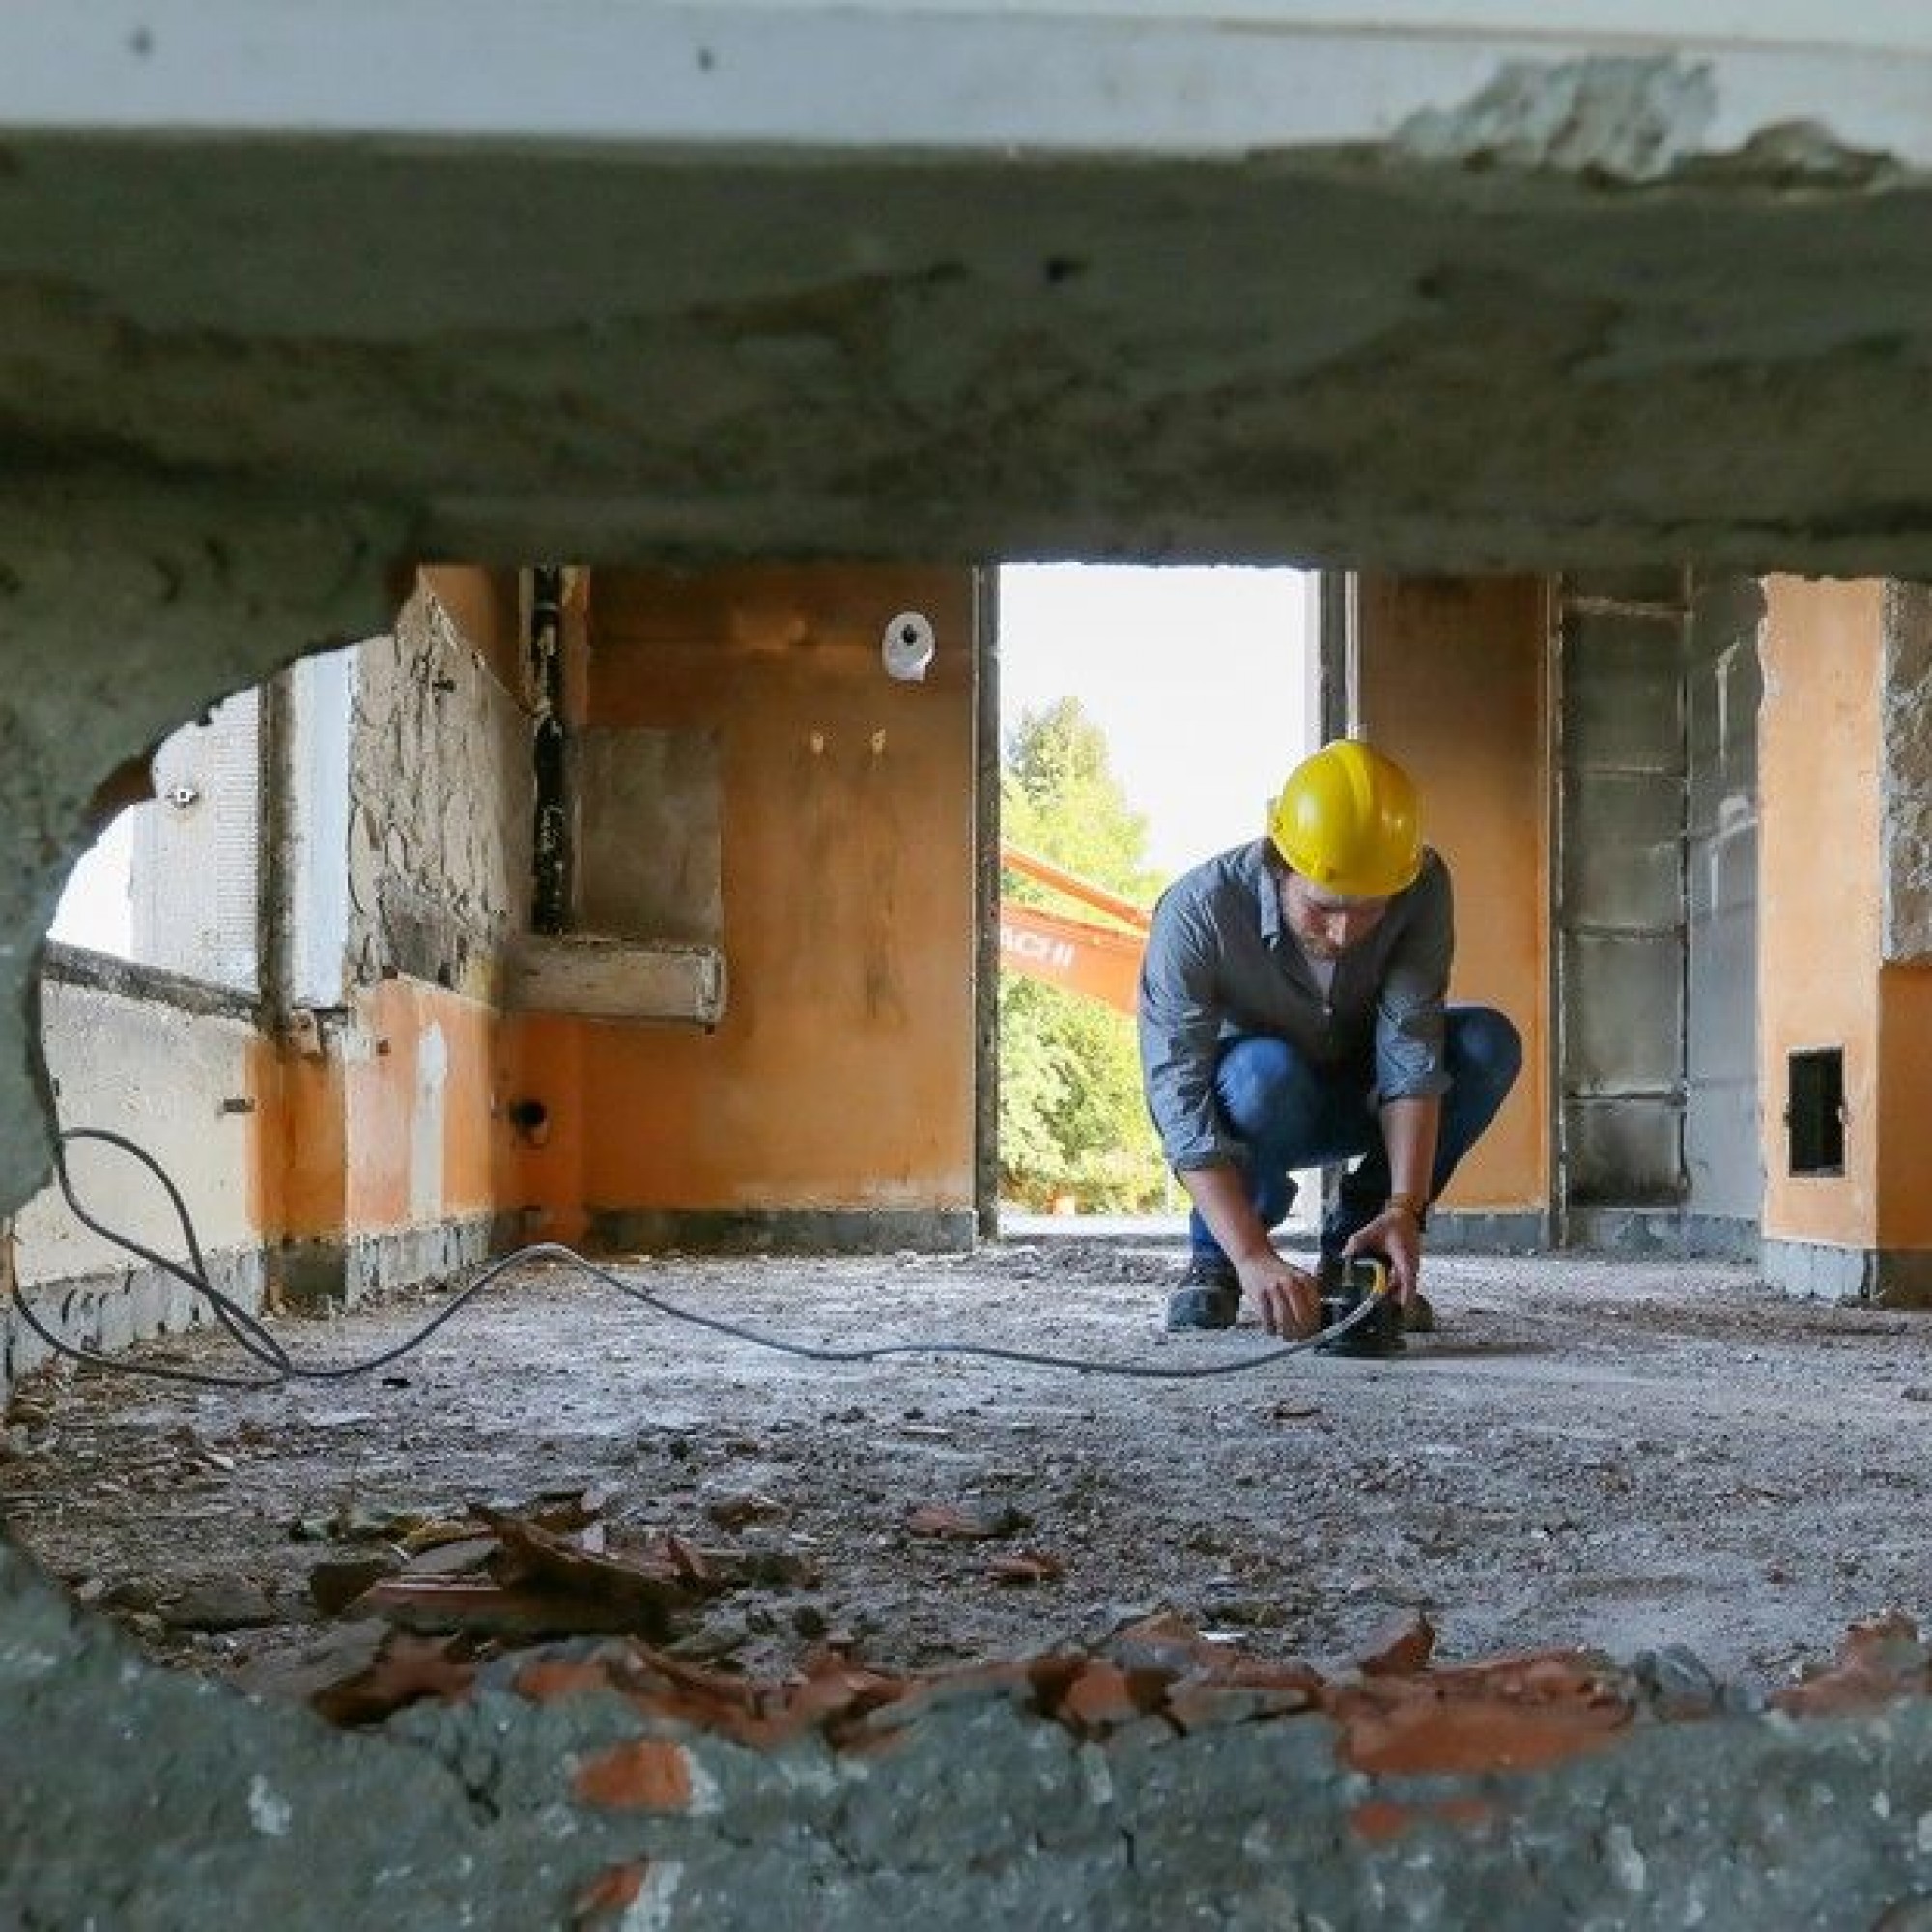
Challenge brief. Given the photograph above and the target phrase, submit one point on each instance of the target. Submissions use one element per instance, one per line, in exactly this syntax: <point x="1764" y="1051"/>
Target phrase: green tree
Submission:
<point x="1072" y="1117"/>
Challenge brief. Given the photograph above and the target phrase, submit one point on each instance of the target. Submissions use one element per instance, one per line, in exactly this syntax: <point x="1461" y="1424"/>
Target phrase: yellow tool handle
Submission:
<point x="1378" y="1274"/>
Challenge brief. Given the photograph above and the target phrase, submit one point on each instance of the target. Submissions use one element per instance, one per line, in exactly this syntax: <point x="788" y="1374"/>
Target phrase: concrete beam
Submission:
<point x="617" y="979"/>
<point x="1182" y="77"/>
<point x="658" y="283"/>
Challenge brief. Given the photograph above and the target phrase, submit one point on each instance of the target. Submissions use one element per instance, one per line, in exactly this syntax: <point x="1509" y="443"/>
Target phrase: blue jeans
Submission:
<point x="1290" y="1113"/>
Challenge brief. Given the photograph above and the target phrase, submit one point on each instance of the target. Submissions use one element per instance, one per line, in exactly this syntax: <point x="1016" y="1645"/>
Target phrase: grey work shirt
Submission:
<point x="1222" y="962"/>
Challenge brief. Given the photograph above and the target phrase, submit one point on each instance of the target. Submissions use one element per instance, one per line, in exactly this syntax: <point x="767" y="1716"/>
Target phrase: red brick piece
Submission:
<point x="645" y="1774"/>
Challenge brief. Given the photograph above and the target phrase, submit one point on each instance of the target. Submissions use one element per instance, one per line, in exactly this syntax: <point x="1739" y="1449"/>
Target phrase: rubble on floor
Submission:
<point x="1662" y="1461"/>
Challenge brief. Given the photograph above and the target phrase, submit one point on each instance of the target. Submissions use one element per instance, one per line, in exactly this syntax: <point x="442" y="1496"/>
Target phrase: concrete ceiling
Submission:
<point x="1271" y="288"/>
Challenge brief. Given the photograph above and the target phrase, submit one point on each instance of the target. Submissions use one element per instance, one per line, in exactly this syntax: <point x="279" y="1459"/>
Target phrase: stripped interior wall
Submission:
<point x="746" y="781"/>
<point x="1658" y="691"/>
<point x="326" y="1150"/>
<point x="824" y="817"/>
<point x="1620" y="962"/>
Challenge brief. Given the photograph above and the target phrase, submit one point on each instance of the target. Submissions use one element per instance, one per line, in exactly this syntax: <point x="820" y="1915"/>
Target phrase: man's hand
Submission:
<point x="1284" y="1296"/>
<point x="1393" y="1233"/>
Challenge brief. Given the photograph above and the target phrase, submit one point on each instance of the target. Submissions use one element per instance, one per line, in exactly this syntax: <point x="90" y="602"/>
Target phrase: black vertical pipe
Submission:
<point x="550" y="897"/>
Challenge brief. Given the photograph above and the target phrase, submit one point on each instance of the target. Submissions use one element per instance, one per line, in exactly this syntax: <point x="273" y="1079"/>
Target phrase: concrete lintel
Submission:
<point x="617" y="979"/>
<point x="132" y="979"/>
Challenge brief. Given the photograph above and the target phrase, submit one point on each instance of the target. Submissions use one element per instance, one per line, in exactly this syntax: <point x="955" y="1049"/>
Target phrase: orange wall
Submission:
<point x="1819" y="913"/>
<point x="353" y="1136"/>
<point x="1454" y="684"/>
<point x="302" y="1143"/>
<point x="407" y="1124"/>
<point x="1905" y="1106"/>
<point x="842" y="1072"/>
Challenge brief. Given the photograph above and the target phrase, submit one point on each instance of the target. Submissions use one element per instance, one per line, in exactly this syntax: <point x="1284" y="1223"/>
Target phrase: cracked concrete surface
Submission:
<point x="1631" y="1456"/>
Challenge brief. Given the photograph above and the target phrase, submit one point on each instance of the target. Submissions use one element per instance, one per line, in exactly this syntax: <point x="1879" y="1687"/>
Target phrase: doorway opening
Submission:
<point x="1147" y="717"/>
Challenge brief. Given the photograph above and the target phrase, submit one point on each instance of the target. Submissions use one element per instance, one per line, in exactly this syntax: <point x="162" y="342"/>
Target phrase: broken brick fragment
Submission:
<point x="643" y="1774"/>
<point x="405" y="1672"/>
<point x="1021" y="1567"/>
<point x="1473" y="1735"/>
<point x="1880" y="1659"/>
<point x="1401" y="1651"/>
<point x="1517" y="1714"/>
<point x="608" y="1893"/>
<point x="965" y="1523"/>
<point x="1104" y="1697"/>
<point x="552" y="1677"/>
<point x="1381" y="1821"/>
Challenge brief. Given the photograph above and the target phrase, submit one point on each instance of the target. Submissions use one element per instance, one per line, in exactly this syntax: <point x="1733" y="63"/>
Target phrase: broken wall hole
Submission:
<point x="451" y="1086"/>
<point x="1527" y="301"/>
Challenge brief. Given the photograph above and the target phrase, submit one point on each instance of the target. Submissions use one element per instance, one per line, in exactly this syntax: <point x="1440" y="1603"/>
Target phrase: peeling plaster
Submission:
<point x="1905" y="778"/>
<point x="432" y="732"/>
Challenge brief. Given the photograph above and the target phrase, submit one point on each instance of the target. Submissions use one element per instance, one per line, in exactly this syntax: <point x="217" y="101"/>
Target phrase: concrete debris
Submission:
<point x="220" y="1604"/>
<point x="1608" y="118"/>
<point x="736" y="1511"/>
<point x="336" y="1583"/>
<point x="1026" y="1566"/>
<point x="966" y="1523"/>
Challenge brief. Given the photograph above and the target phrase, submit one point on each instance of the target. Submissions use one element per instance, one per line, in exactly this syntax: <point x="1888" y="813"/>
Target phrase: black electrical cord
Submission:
<point x="254" y="1339"/>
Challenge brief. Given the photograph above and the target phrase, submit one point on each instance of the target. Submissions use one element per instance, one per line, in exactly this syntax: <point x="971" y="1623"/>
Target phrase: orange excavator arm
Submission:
<point x="1101" y="962"/>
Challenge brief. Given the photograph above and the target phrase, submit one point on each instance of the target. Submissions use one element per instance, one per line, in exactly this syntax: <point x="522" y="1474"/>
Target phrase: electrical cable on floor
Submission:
<point x="253" y="1337"/>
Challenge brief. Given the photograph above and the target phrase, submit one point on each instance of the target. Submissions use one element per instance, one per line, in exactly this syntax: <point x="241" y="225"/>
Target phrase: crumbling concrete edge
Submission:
<point x="557" y="1793"/>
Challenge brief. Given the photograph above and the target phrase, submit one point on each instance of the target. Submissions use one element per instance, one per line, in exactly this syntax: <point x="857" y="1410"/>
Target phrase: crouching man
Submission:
<point x="1292" y="1015"/>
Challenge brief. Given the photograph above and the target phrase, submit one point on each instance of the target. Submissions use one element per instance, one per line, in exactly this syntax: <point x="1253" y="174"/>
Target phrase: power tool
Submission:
<point x="1345" y="1284"/>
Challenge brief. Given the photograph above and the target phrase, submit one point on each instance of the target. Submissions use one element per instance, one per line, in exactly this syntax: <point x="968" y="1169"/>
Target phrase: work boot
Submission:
<point x="1209" y="1294"/>
<point x="1418" y="1318"/>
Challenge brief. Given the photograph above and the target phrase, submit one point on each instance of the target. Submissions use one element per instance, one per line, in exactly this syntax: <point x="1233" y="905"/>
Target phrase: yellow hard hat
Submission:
<point x="1347" y="821"/>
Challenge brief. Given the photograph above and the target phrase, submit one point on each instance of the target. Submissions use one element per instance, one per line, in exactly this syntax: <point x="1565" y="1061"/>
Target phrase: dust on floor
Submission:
<point x="1605" y="1454"/>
